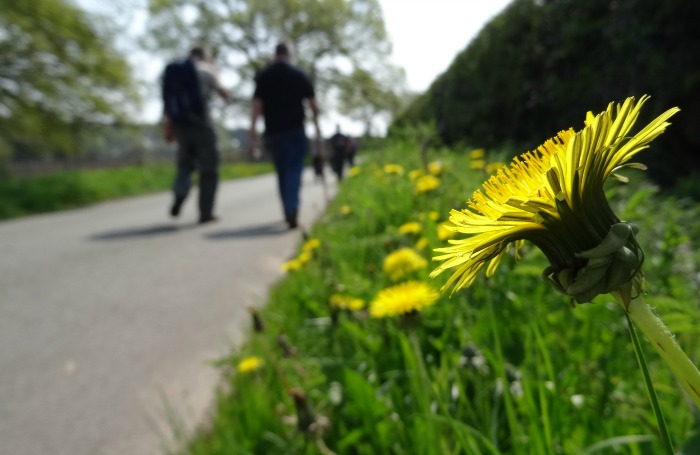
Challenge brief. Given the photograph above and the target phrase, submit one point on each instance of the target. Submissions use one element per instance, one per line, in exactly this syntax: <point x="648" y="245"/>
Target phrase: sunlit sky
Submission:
<point x="426" y="36"/>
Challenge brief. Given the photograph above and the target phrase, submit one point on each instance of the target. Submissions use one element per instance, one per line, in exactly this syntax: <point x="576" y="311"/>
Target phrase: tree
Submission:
<point x="335" y="41"/>
<point x="58" y="74"/>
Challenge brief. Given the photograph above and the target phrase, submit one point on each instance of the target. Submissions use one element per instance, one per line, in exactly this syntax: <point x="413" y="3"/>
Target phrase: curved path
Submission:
<point x="111" y="315"/>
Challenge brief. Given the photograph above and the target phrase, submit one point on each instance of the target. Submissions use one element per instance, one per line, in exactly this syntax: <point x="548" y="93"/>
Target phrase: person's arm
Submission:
<point x="313" y="105"/>
<point x="255" y="112"/>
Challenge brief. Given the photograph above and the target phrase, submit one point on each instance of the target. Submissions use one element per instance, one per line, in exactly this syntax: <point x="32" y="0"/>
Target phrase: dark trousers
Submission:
<point x="288" y="149"/>
<point x="196" y="150"/>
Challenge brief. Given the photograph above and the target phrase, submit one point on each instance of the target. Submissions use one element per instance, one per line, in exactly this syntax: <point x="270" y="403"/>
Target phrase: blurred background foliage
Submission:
<point x="536" y="67"/>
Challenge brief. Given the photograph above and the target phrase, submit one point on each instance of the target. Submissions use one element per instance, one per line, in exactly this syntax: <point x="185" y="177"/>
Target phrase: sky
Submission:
<point x="426" y="36"/>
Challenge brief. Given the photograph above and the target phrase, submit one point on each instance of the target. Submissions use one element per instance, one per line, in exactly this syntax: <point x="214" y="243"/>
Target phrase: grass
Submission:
<point x="504" y="367"/>
<point x="20" y="196"/>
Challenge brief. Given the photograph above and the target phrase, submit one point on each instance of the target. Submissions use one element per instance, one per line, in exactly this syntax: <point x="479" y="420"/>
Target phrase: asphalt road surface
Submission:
<point x="111" y="315"/>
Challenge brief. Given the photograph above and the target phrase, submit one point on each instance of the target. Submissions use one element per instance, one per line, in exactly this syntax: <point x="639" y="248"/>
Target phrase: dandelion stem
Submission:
<point x="663" y="430"/>
<point x="665" y="344"/>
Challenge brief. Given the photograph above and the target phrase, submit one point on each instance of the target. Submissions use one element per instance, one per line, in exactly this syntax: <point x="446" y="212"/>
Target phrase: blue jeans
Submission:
<point x="288" y="150"/>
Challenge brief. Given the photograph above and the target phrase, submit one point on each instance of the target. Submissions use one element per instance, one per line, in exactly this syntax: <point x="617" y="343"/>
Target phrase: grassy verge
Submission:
<point x="21" y="196"/>
<point x="505" y="367"/>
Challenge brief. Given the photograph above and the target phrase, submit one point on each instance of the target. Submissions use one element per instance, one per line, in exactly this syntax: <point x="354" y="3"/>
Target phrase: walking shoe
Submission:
<point x="291" y="220"/>
<point x="208" y="219"/>
<point x="177" y="205"/>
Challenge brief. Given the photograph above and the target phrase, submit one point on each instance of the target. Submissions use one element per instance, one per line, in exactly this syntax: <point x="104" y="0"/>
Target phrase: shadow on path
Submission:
<point x="147" y="231"/>
<point x="258" y="230"/>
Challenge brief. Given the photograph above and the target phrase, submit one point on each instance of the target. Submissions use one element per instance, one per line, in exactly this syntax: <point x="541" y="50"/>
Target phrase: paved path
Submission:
<point x="110" y="314"/>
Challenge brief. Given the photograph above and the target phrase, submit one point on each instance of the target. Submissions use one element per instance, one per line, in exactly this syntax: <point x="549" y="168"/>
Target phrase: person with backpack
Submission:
<point x="187" y="89"/>
<point x="280" y="91"/>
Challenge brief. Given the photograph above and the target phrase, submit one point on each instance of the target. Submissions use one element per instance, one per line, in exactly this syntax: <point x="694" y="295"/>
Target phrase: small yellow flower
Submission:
<point x="291" y="265"/>
<point x="345" y="302"/>
<point x="493" y="167"/>
<point x="436" y="168"/>
<point x="477" y="154"/>
<point x="415" y="174"/>
<point x="403" y="262"/>
<point x="412" y="227"/>
<point x="434" y="216"/>
<point x="478" y="164"/>
<point x="249" y="364"/>
<point x="443" y="232"/>
<point x="403" y="298"/>
<point x="427" y="183"/>
<point x="393" y="169"/>
<point x="345" y="210"/>
<point x="354" y="171"/>
<point x="311" y="245"/>
<point x="554" y="197"/>
<point x="422" y="243"/>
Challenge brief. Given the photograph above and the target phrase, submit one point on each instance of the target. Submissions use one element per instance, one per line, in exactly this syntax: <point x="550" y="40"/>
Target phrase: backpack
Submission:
<point x="182" y="95"/>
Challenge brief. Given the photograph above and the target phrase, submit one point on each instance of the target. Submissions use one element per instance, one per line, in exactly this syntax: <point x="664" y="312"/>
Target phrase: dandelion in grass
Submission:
<point x="403" y="262"/>
<point x="445" y="230"/>
<point x="422" y="243"/>
<point x="477" y="164"/>
<point x="354" y="171"/>
<point x="393" y="169"/>
<point x="249" y="364"/>
<point x="346" y="302"/>
<point x="345" y="210"/>
<point x="554" y="198"/>
<point x="477" y="154"/>
<point x="493" y="167"/>
<point x="404" y="298"/>
<point x="291" y="265"/>
<point x="415" y="174"/>
<point x="311" y="245"/>
<point x="426" y="184"/>
<point x="436" y="168"/>
<point x="412" y="227"/>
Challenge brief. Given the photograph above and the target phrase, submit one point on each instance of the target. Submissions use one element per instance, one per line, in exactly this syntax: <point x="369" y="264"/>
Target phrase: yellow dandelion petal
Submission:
<point x="403" y="262"/>
<point x="291" y="265"/>
<point x="354" y="171"/>
<point x="403" y="298"/>
<point x="554" y="197"/>
<point x="427" y="183"/>
<point x="445" y="231"/>
<point x="249" y="364"/>
<point x="493" y="167"/>
<point x="412" y="227"/>
<point x="422" y="243"/>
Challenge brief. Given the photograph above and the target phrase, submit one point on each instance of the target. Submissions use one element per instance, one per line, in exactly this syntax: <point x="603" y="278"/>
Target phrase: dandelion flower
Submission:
<point x="345" y="210"/>
<point x="354" y="171"/>
<point x="393" y="169"/>
<point x="554" y="198"/>
<point x="436" y="168"/>
<point x="427" y="183"/>
<point x="403" y="298"/>
<point x="345" y="302"/>
<point x="445" y="231"/>
<point x="311" y="245"/>
<point x="478" y="164"/>
<point x="422" y="243"/>
<point x="415" y="174"/>
<point x="477" y="154"/>
<point x="412" y="227"/>
<point x="249" y="364"/>
<point x="493" y="167"/>
<point x="402" y="262"/>
<point x="291" y="265"/>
